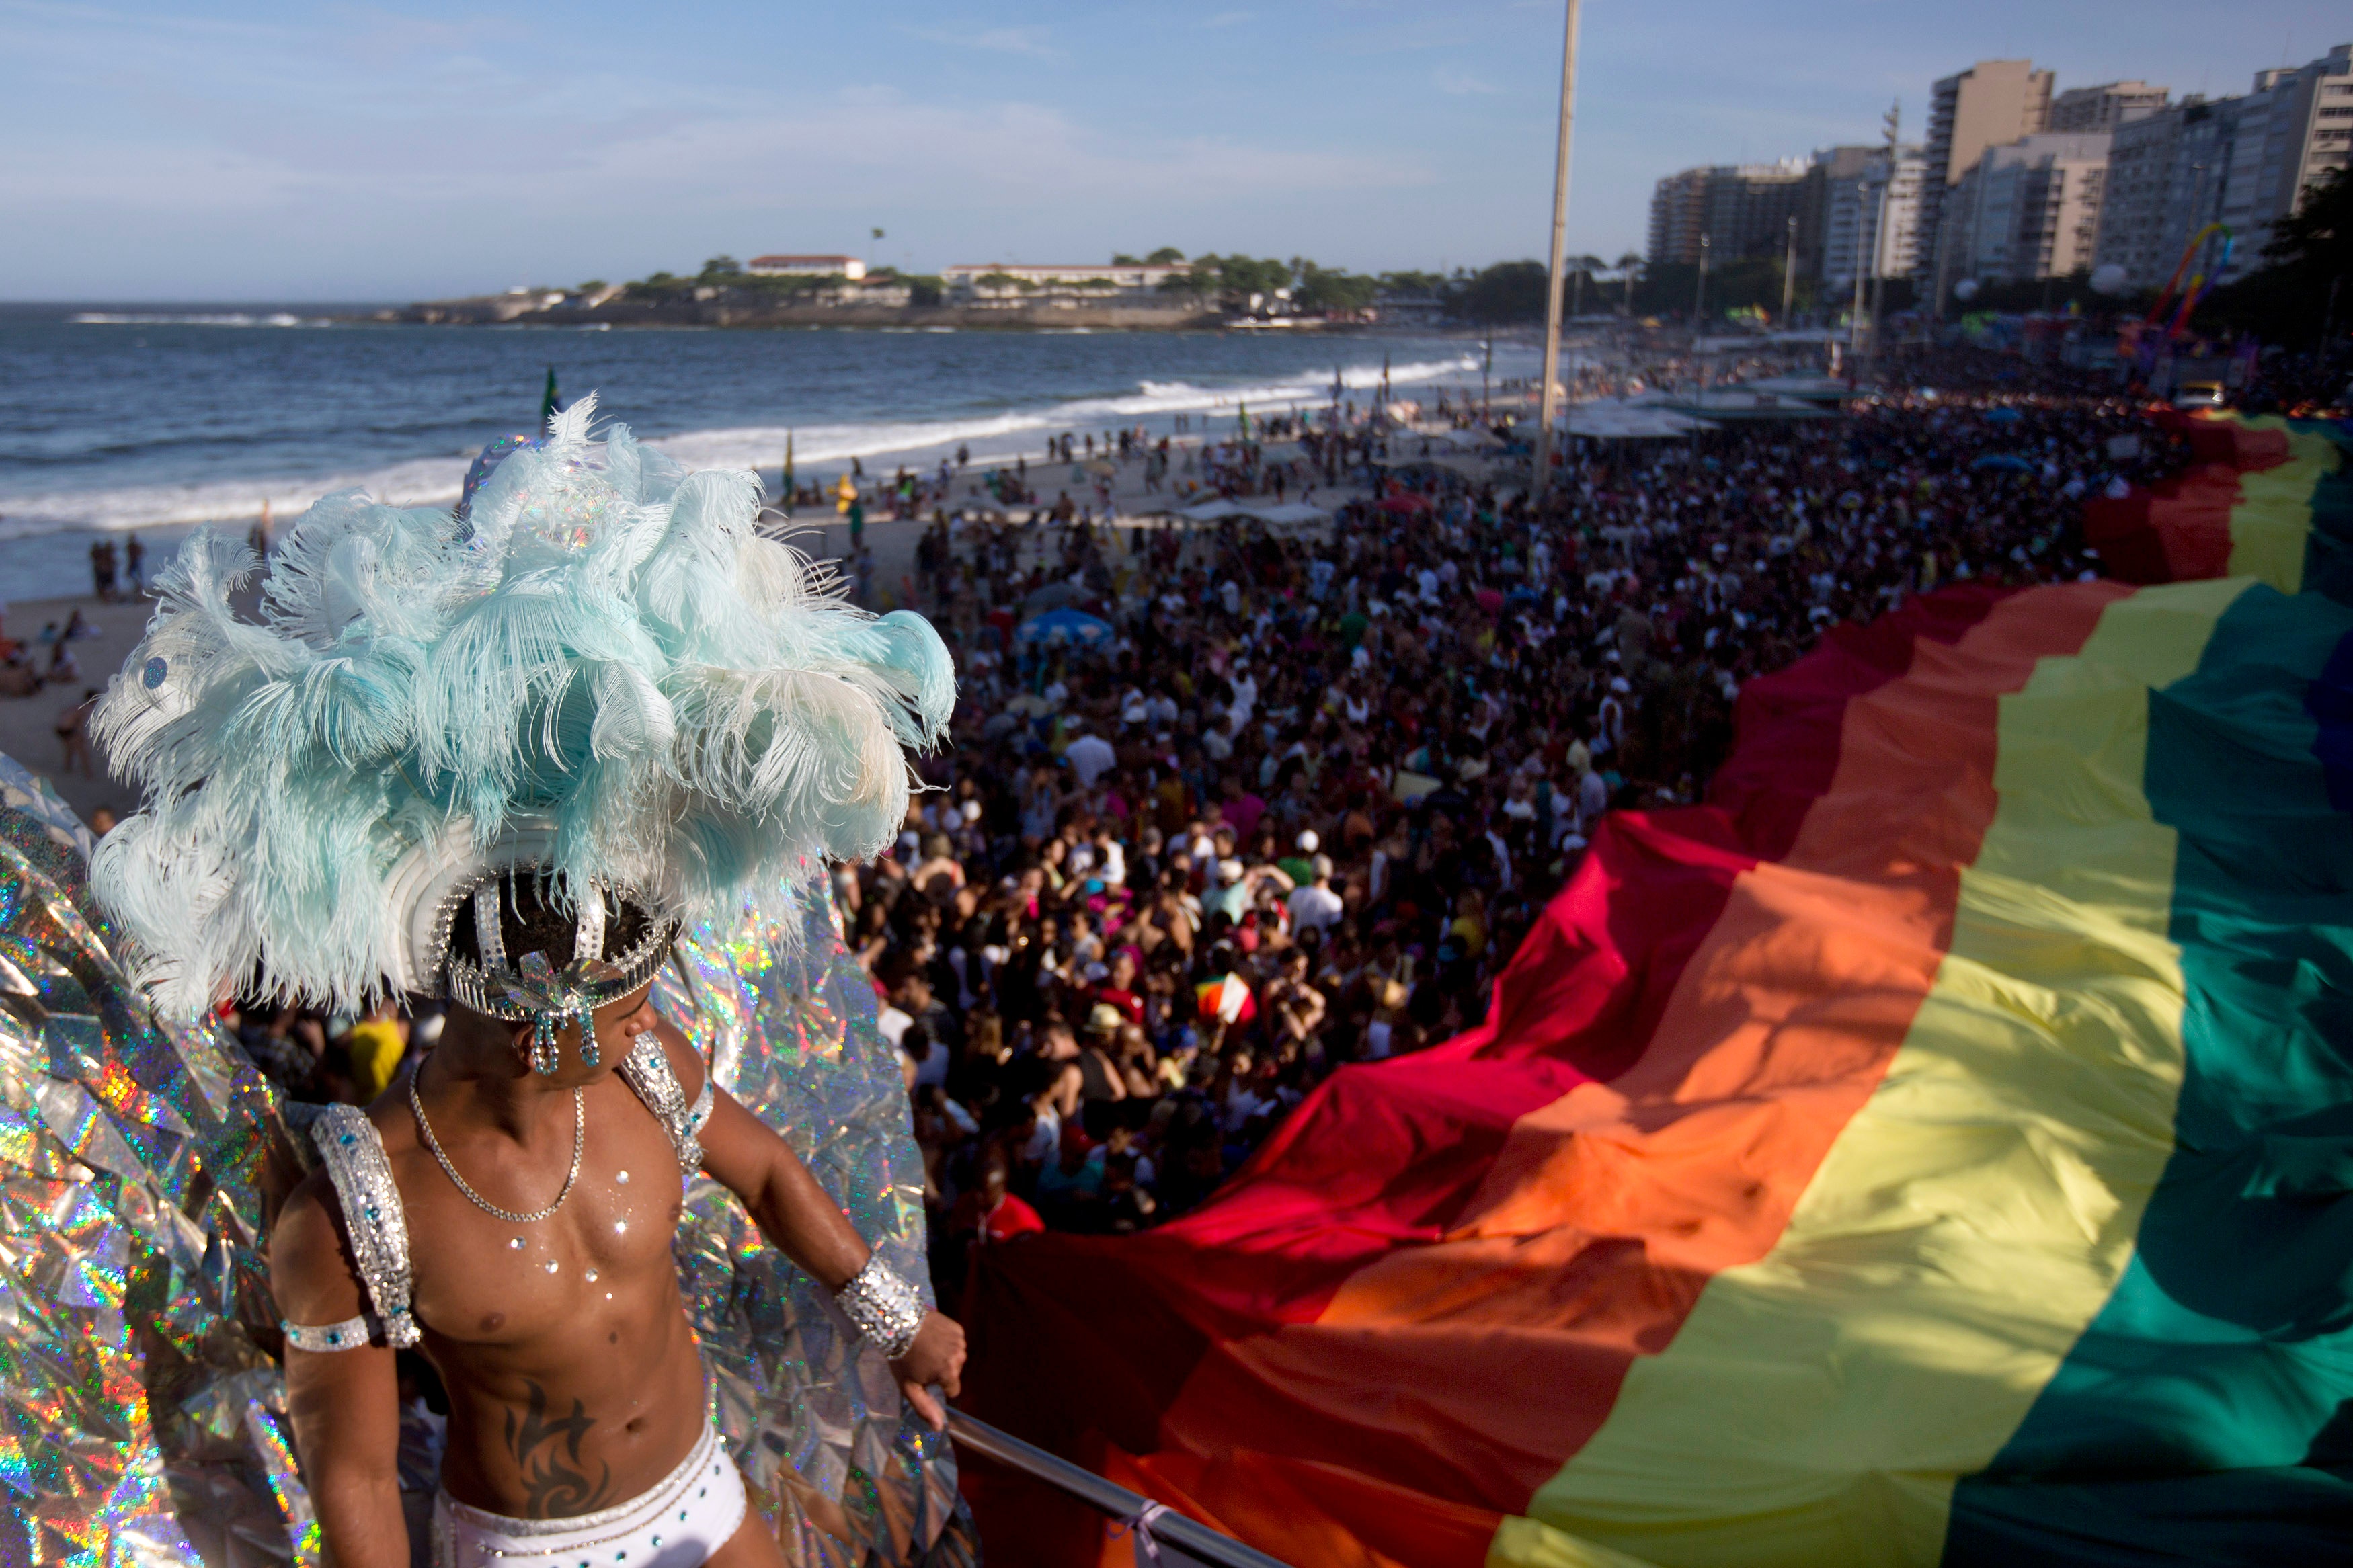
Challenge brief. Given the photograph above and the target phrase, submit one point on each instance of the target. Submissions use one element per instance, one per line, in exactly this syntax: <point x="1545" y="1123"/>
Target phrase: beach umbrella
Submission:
<point x="1052" y="596"/>
<point x="2003" y="417"/>
<point x="2008" y="462"/>
<point x="1405" y="503"/>
<point x="1064" y="625"/>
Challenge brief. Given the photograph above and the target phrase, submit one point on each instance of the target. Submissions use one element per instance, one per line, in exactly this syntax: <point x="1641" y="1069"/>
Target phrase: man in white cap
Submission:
<point x="1300" y="867"/>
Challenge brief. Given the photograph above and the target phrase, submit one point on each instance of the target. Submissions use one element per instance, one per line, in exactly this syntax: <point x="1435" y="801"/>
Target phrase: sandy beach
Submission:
<point x="27" y="724"/>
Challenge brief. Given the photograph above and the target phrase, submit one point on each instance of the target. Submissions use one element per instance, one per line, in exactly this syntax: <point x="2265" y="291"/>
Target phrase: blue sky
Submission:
<point x="334" y="152"/>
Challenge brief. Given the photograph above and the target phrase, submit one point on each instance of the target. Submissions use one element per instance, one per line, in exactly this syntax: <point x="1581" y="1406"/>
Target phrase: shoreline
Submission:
<point x="28" y="723"/>
<point x="47" y="557"/>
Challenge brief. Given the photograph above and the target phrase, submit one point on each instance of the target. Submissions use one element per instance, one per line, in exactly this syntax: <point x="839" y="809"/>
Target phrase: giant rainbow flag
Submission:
<point x="1938" y="1148"/>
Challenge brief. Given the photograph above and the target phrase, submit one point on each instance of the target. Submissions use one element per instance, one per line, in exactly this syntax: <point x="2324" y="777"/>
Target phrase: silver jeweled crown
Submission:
<point x="537" y="990"/>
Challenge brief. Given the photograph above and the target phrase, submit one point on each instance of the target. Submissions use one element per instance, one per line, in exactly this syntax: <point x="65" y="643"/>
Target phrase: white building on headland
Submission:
<point x="848" y="267"/>
<point x="1012" y="284"/>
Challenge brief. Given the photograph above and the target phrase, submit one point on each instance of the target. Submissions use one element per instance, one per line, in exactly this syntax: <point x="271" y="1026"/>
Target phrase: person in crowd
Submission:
<point x="1299" y="810"/>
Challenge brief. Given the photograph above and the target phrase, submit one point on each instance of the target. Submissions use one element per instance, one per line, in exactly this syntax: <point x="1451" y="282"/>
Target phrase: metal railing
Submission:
<point x="1189" y="1537"/>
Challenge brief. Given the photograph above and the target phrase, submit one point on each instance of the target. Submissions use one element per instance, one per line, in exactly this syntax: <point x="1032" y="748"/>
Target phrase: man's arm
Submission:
<point x="344" y="1405"/>
<point x="745" y="1155"/>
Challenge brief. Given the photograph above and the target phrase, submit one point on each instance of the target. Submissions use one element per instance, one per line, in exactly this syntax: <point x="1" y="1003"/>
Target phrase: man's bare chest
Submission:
<point x="480" y="1279"/>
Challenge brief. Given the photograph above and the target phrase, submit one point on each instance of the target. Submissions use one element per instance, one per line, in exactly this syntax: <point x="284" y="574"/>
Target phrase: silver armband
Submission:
<point x="350" y="1334"/>
<point x="882" y="1307"/>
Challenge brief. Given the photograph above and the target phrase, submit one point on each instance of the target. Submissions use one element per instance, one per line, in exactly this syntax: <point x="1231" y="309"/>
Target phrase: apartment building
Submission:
<point x="2244" y="163"/>
<point x="1678" y="217"/>
<point x="1992" y="103"/>
<point x="1864" y="220"/>
<point x="2106" y="107"/>
<point x="2027" y="210"/>
<point x="2296" y="125"/>
<point x="1744" y="209"/>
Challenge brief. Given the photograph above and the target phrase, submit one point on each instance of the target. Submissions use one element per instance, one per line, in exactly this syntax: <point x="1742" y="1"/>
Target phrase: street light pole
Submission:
<point x="1699" y="293"/>
<point x="1548" y="402"/>
<point x="1866" y="248"/>
<point x="1789" y="274"/>
<point x="1892" y="120"/>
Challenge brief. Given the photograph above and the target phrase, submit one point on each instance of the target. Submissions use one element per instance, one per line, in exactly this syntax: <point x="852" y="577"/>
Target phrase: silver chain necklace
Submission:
<point x="579" y="1141"/>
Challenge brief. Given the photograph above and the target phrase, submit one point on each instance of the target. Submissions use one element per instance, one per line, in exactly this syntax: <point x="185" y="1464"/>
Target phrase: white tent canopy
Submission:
<point x="1617" y="419"/>
<point x="1811" y="388"/>
<point x="1282" y="514"/>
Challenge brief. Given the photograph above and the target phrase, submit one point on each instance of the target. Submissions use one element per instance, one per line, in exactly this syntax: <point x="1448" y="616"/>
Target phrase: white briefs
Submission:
<point x="678" y="1523"/>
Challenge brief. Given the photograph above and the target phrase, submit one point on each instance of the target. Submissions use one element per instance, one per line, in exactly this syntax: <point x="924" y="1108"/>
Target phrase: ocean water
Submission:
<point x="113" y="419"/>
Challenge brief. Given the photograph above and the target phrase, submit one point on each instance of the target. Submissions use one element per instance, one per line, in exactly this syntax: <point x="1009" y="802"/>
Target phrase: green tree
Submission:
<point x="1628" y="268"/>
<point x="1411" y="282"/>
<point x="590" y="287"/>
<point x="1332" y="288"/>
<point x="721" y="267"/>
<point x="1507" y="292"/>
<point x="1121" y="259"/>
<point x="1240" y="277"/>
<point x="1167" y="256"/>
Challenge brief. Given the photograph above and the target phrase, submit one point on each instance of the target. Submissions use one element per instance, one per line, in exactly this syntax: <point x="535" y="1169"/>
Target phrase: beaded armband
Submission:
<point x="882" y="1307"/>
<point x="350" y="1334"/>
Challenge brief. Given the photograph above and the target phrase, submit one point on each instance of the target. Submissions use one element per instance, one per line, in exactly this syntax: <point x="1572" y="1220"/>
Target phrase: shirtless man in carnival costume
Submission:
<point x="499" y="754"/>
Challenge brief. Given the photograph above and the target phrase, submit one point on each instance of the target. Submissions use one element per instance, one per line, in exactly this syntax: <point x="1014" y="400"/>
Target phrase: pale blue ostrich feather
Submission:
<point x="604" y="643"/>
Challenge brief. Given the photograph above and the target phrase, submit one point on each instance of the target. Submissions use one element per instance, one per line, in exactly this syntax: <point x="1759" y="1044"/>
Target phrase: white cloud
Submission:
<point x="1455" y="80"/>
<point x="1031" y="41"/>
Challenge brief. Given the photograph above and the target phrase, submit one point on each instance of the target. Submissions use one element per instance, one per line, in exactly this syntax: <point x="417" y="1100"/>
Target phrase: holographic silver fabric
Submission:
<point x="141" y="1406"/>
<point x="141" y="1413"/>
<point x="786" y="1019"/>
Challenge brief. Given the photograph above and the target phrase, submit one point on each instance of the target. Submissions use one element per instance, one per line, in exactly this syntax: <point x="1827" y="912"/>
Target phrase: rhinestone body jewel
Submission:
<point x="622" y="1177"/>
<point x="549" y="1266"/>
<point x="514" y="1243"/>
<point x="592" y="1276"/>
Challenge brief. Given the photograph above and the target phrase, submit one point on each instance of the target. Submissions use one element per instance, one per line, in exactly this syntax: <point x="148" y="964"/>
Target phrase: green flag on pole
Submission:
<point x="550" y="403"/>
<point x="784" y="486"/>
<point x="1243" y="420"/>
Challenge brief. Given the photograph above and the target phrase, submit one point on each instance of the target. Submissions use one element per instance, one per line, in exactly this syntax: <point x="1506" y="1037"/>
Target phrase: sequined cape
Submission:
<point x="787" y="1021"/>
<point x="142" y="1404"/>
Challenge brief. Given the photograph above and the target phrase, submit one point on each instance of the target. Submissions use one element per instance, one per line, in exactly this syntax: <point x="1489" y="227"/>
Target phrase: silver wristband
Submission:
<point x="882" y="1307"/>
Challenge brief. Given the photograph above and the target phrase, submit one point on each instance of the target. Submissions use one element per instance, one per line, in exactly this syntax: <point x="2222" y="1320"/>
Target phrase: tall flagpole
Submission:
<point x="1548" y="403"/>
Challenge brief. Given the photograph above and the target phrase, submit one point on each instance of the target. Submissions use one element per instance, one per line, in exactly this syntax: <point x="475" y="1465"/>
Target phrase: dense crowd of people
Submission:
<point x="1277" y="800"/>
<point x="1290" y="800"/>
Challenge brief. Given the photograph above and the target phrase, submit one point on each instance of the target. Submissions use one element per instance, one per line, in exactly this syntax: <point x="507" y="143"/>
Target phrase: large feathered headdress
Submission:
<point x="595" y="669"/>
